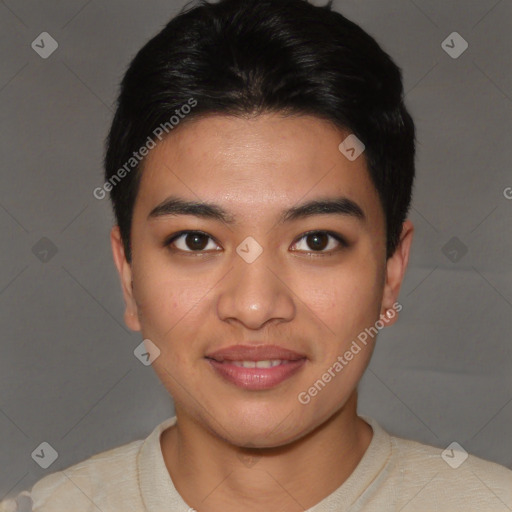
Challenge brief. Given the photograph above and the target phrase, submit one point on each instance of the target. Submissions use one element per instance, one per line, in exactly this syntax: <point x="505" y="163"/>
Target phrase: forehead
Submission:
<point x="264" y="163"/>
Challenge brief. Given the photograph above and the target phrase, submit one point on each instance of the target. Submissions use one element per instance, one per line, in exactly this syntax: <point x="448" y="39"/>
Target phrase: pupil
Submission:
<point x="196" y="241"/>
<point x="318" y="241"/>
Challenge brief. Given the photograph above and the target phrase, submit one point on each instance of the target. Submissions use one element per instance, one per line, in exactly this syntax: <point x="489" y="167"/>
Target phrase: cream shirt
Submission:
<point x="393" y="475"/>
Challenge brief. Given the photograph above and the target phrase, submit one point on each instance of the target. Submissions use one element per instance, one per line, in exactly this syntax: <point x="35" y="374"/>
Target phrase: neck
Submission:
<point x="213" y="475"/>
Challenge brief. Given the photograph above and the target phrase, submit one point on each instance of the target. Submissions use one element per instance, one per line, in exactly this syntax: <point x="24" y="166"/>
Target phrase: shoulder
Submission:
<point x="81" y="487"/>
<point x="451" y="477"/>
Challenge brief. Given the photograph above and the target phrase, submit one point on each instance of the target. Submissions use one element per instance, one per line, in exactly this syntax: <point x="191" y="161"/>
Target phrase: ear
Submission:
<point x="131" y="316"/>
<point x="396" y="266"/>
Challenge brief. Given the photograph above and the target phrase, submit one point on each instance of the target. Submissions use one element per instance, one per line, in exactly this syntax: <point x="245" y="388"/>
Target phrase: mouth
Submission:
<point x="255" y="353"/>
<point x="269" y="363"/>
<point x="256" y="367"/>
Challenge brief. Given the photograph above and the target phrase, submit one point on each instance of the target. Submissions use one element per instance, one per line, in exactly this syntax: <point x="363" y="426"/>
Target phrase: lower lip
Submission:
<point x="256" y="378"/>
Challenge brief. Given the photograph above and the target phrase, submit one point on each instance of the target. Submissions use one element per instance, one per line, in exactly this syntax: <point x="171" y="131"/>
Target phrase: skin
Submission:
<point x="316" y="304"/>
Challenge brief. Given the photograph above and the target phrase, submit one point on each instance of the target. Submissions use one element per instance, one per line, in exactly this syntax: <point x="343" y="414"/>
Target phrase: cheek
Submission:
<point x="347" y="298"/>
<point x="166" y="297"/>
<point x="169" y="306"/>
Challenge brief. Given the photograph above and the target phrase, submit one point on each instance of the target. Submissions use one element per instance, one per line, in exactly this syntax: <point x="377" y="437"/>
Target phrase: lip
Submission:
<point x="254" y="353"/>
<point x="255" y="378"/>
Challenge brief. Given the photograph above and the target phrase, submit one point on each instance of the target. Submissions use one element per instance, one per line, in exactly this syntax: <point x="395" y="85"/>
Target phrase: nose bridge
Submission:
<point x="252" y="293"/>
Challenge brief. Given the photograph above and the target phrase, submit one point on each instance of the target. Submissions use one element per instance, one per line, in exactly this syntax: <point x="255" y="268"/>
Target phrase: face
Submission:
<point x="256" y="268"/>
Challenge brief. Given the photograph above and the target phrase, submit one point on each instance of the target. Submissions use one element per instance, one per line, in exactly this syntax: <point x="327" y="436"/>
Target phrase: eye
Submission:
<point x="190" y="241"/>
<point x="321" y="242"/>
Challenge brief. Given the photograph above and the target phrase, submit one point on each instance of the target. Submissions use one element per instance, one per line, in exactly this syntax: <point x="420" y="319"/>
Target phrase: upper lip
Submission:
<point x="254" y="353"/>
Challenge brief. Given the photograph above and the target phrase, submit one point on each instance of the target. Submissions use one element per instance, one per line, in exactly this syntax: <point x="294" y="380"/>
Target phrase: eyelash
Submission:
<point x="343" y="243"/>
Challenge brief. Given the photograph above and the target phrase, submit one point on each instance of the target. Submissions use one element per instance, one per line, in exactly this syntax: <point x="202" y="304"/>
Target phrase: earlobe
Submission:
<point x="396" y="266"/>
<point x="124" y="270"/>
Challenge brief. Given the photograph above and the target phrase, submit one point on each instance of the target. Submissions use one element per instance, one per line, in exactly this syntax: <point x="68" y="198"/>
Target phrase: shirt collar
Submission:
<point x="156" y="487"/>
<point x="159" y="494"/>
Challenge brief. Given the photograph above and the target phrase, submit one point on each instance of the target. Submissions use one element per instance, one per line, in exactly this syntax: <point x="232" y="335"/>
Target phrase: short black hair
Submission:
<point x="247" y="57"/>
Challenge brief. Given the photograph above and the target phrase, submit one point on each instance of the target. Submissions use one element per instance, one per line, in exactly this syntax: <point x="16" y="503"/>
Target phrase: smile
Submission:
<point x="256" y="375"/>
<point x="259" y="364"/>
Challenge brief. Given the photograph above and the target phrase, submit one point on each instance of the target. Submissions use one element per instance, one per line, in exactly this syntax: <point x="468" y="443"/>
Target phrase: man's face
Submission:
<point x="194" y="294"/>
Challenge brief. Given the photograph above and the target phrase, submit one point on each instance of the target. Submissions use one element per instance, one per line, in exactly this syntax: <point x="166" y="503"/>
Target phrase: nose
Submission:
<point x="255" y="294"/>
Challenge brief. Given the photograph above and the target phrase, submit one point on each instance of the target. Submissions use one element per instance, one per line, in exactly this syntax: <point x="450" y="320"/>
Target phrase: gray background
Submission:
<point x="68" y="375"/>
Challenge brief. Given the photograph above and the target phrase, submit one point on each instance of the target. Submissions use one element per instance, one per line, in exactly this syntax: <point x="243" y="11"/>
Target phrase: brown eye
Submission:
<point x="196" y="241"/>
<point x="317" y="241"/>
<point x="320" y="242"/>
<point x="191" y="241"/>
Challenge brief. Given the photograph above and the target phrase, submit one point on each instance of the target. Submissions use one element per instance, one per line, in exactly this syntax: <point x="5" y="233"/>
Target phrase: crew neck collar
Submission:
<point x="159" y="493"/>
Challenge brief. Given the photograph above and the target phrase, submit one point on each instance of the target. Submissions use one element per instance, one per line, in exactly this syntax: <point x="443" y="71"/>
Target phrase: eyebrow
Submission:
<point x="327" y="206"/>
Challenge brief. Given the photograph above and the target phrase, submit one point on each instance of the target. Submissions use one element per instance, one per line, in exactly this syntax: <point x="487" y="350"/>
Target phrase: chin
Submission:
<point x="259" y="428"/>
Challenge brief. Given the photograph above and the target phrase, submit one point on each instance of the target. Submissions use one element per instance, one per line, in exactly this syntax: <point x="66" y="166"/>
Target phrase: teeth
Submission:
<point x="258" y="364"/>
